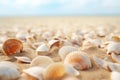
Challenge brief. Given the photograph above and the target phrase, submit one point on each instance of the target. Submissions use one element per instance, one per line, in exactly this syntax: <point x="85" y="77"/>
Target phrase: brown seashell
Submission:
<point x="79" y="60"/>
<point x="12" y="46"/>
<point x="23" y="59"/>
<point x="42" y="61"/>
<point x="65" y="50"/>
<point x="53" y="43"/>
<point x="56" y="71"/>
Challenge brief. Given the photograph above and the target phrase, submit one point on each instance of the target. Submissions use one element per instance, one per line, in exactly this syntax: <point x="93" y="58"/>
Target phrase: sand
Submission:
<point x="57" y="23"/>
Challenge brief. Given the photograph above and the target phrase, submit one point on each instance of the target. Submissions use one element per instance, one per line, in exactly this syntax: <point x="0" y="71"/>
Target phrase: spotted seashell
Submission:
<point x="12" y="46"/>
<point x="33" y="73"/>
<point x="8" y="71"/>
<point x="42" y="61"/>
<point x="79" y="60"/>
<point x="65" y="50"/>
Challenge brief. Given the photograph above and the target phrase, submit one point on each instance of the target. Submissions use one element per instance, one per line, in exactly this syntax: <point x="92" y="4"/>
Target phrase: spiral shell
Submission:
<point x="78" y="59"/>
<point x="42" y="61"/>
<point x="8" y="71"/>
<point x="12" y="46"/>
<point x="65" y="50"/>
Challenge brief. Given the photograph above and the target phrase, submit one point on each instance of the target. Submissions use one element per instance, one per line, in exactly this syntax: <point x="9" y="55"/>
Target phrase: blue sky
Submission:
<point x="59" y="7"/>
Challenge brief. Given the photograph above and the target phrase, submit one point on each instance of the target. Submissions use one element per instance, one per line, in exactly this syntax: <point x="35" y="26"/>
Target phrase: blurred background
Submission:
<point x="59" y="7"/>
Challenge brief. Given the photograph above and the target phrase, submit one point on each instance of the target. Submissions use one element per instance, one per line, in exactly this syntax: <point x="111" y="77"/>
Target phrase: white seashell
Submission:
<point x="57" y="70"/>
<point x="42" y="49"/>
<point x="115" y="57"/>
<point x="33" y="73"/>
<point x="101" y="32"/>
<point x="65" y="50"/>
<point x="113" y="48"/>
<point x="8" y="71"/>
<point x="21" y="35"/>
<point x="114" y="67"/>
<point x="79" y="60"/>
<point x="115" y="75"/>
<point x="101" y="63"/>
<point x="23" y="59"/>
<point x="90" y="35"/>
<point x="42" y="61"/>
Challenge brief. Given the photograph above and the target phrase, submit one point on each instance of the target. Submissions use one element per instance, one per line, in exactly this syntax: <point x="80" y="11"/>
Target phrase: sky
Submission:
<point x="59" y="7"/>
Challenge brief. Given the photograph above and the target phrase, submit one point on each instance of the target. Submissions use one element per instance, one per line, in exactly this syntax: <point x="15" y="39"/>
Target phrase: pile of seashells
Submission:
<point x="57" y="54"/>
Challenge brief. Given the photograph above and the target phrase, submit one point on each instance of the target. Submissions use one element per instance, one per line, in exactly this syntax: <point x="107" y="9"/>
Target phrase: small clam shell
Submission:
<point x="115" y="75"/>
<point x="23" y="59"/>
<point x="54" y="71"/>
<point x="115" y="57"/>
<point x="42" y="49"/>
<point x="42" y="61"/>
<point x="78" y="59"/>
<point x="12" y="46"/>
<point x="33" y="73"/>
<point x="65" y="50"/>
<point x="8" y="71"/>
<point x="21" y="35"/>
<point x="116" y="38"/>
<point x="57" y="70"/>
<point x="101" y="32"/>
<point x="54" y="43"/>
<point x="113" y="48"/>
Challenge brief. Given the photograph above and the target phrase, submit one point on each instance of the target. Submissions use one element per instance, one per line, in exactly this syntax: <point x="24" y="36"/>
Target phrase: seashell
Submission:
<point x="21" y="35"/>
<point x="114" y="67"/>
<point x="57" y="70"/>
<point x="70" y="77"/>
<point x="54" y="43"/>
<point x="42" y="61"/>
<point x="101" y="63"/>
<point x="115" y="75"/>
<point x="12" y="46"/>
<point x="42" y="49"/>
<point x="89" y="35"/>
<point x="79" y="60"/>
<point x="33" y="73"/>
<point x="113" y="48"/>
<point x="101" y="32"/>
<point x="116" y="38"/>
<point x="23" y="59"/>
<point x="8" y="71"/>
<point x="115" y="57"/>
<point x="65" y="50"/>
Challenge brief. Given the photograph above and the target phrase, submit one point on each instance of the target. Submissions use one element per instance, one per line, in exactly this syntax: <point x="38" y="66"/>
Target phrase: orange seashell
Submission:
<point x="12" y="46"/>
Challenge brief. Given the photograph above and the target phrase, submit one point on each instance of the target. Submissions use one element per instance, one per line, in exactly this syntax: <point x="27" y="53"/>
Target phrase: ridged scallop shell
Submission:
<point x="65" y="50"/>
<point x="8" y="71"/>
<point x="33" y="73"/>
<point x="79" y="60"/>
<point x="23" y="59"/>
<point x="115" y="75"/>
<point x="42" y="49"/>
<point x="115" y="57"/>
<point x="42" y="61"/>
<point x="57" y="70"/>
<point x="113" y="48"/>
<point x="12" y="46"/>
